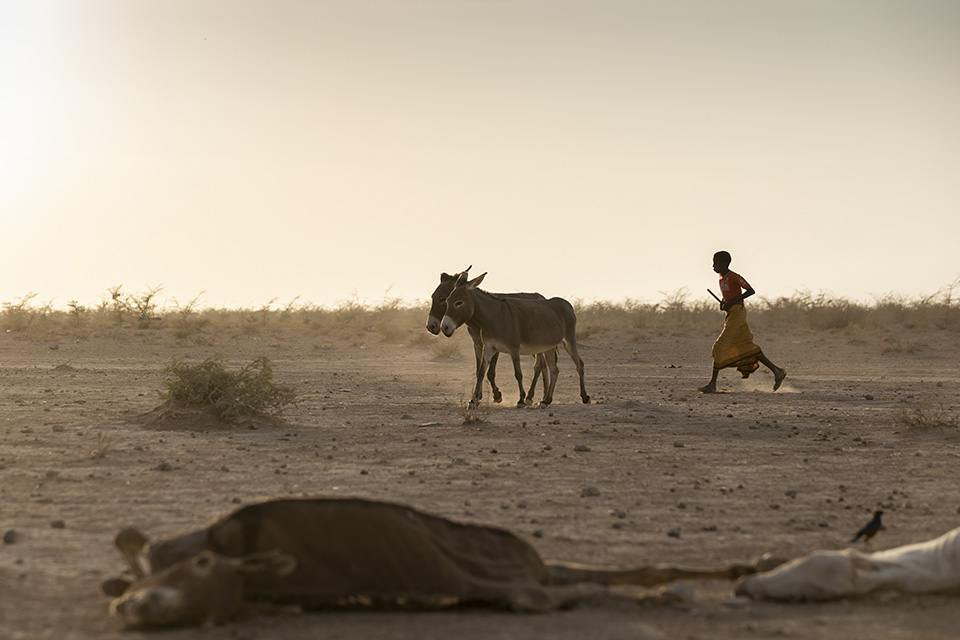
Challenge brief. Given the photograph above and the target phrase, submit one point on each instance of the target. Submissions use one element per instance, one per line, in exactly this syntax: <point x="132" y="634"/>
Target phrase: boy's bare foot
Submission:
<point x="708" y="388"/>
<point x="778" y="378"/>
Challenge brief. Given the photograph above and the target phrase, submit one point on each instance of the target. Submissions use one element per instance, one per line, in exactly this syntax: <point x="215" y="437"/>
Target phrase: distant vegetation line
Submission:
<point x="393" y="317"/>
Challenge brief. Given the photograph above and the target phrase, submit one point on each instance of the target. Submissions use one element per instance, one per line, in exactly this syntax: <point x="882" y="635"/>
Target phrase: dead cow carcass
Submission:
<point x="328" y="553"/>
<point x="925" y="567"/>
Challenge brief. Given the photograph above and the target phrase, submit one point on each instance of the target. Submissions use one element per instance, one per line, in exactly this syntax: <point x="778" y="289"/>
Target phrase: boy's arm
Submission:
<point x="726" y="304"/>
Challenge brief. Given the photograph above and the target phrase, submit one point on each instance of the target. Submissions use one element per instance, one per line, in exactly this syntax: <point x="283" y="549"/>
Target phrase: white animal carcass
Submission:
<point x="924" y="567"/>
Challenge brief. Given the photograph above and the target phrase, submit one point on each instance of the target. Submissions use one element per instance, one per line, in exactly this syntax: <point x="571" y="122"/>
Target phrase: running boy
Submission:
<point x="735" y="346"/>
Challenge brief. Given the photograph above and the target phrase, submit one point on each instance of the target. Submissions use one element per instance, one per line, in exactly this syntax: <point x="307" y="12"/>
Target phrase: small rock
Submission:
<point x="10" y="537"/>
<point x="53" y="346"/>
<point x="589" y="492"/>
<point x="163" y="466"/>
<point x="868" y="397"/>
<point x="406" y="416"/>
<point x="674" y="533"/>
<point x="679" y="444"/>
<point x="619" y="513"/>
<point x="538" y="533"/>
<point x="58" y="524"/>
<point x="792" y="493"/>
<point x="581" y="447"/>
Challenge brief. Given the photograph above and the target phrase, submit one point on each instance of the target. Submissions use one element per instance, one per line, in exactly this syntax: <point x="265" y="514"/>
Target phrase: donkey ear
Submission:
<point x="462" y="279"/>
<point x="473" y="284"/>
<point x="446" y="277"/>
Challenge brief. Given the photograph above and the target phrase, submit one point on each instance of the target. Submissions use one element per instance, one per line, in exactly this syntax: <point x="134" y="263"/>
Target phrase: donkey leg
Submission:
<point x="478" y="390"/>
<point x="570" y="344"/>
<point x="648" y="576"/>
<point x="519" y="373"/>
<point x="492" y="369"/>
<point x="491" y="376"/>
<point x="546" y="381"/>
<point x="550" y="361"/>
<point x="537" y="370"/>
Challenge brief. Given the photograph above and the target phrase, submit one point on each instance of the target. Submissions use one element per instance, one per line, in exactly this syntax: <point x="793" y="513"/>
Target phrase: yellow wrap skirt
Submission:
<point x="735" y="346"/>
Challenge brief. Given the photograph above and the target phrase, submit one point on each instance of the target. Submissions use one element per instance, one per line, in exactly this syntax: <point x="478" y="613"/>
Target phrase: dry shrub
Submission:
<point x="103" y="446"/>
<point x="249" y="391"/>
<point x="917" y="417"/>
<point x="895" y="345"/>
<point x="473" y="416"/>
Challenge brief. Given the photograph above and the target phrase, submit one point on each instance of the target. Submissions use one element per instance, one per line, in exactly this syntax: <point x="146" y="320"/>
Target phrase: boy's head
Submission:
<point x="721" y="261"/>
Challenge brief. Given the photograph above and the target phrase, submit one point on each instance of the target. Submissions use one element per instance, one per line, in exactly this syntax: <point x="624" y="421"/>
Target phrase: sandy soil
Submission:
<point x="731" y="475"/>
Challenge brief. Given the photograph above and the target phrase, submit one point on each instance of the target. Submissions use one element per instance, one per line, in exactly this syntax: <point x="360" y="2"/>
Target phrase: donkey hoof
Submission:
<point x="473" y="405"/>
<point x="586" y="399"/>
<point x="521" y="405"/>
<point x="543" y="405"/>
<point x="497" y="396"/>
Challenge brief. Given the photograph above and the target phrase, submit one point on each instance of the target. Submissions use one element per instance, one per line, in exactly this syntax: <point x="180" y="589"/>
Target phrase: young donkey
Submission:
<point x="438" y="308"/>
<point x="516" y="327"/>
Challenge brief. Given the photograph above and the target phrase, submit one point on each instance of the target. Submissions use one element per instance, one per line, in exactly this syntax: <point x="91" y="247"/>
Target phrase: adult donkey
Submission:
<point x="515" y="327"/>
<point x="438" y="308"/>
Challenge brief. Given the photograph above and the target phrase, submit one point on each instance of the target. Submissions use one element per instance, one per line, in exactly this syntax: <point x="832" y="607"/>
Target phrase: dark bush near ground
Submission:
<point x="233" y="394"/>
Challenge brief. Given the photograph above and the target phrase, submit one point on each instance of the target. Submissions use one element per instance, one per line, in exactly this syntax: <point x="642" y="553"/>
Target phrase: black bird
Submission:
<point x="870" y="529"/>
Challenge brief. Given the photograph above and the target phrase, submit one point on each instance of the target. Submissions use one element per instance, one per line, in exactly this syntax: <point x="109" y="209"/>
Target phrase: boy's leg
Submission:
<point x="712" y="386"/>
<point x="779" y="373"/>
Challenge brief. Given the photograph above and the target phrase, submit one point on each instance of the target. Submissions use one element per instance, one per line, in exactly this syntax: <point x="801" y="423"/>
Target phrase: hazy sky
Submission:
<point x="597" y="149"/>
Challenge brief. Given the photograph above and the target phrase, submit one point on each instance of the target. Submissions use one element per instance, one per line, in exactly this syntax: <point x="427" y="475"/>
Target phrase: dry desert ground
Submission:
<point x="671" y="475"/>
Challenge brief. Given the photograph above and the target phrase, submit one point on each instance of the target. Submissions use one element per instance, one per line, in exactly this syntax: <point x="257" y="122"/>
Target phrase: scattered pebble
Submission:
<point x="10" y="537"/>
<point x="679" y="444"/>
<point x="589" y="492"/>
<point x="674" y="533"/>
<point x="58" y="524"/>
<point x="163" y="466"/>
<point x="581" y="447"/>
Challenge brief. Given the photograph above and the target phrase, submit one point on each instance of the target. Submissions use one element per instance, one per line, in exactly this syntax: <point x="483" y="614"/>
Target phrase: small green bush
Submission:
<point x="249" y="391"/>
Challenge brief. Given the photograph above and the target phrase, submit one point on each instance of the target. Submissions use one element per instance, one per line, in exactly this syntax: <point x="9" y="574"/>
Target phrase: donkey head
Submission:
<point x="460" y="303"/>
<point x="204" y="589"/>
<point x="438" y="306"/>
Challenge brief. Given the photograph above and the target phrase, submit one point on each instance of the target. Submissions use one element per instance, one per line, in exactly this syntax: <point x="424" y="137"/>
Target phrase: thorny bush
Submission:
<point x="233" y="394"/>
